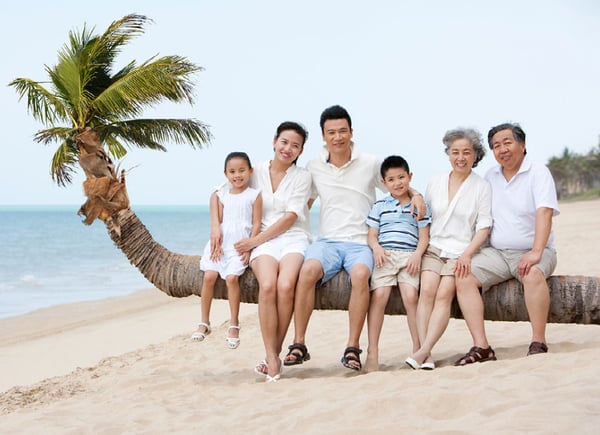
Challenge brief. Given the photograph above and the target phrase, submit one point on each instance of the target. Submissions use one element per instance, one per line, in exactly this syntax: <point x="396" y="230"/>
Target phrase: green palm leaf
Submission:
<point x="84" y="92"/>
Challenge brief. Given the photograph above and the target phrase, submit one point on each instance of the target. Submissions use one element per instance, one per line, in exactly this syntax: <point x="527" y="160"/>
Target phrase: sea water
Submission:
<point x="49" y="257"/>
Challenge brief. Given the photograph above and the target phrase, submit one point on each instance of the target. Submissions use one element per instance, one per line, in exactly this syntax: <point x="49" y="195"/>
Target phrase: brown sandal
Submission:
<point x="477" y="354"/>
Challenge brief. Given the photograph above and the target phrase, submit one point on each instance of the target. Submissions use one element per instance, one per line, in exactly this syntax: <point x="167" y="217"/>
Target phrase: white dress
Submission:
<point x="236" y="225"/>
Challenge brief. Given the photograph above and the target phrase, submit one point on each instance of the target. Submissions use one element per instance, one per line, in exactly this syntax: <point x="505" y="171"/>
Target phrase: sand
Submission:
<point x="126" y="365"/>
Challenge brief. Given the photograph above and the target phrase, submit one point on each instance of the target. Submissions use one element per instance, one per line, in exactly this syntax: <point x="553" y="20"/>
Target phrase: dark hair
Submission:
<point x="294" y="126"/>
<point x="393" y="162"/>
<point x="334" y="112"/>
<point x="237" y="155"/>
<point x="517" y="131"/>
<point x="471" y="135"/>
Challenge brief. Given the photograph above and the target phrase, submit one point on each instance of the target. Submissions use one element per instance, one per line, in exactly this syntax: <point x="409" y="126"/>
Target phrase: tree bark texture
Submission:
<point x="573" y="299"/>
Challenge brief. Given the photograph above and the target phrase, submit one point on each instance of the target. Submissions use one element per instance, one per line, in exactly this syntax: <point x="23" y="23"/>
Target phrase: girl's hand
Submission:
<point x="245" y="258"/>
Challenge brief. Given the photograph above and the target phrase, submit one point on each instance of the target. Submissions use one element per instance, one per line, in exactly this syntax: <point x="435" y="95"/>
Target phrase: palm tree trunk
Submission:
<point x="573" y="299"/>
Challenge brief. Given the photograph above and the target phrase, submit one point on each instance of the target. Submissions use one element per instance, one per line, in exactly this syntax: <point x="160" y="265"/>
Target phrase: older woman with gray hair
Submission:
<point x="460" y="204"/>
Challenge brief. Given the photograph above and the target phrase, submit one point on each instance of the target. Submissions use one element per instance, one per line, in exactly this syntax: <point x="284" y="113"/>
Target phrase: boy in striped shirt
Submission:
<point x="398" y="242"/>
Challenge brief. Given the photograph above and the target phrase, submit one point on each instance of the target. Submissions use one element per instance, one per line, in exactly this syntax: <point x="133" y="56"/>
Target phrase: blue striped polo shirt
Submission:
<point x="398" y="228"/>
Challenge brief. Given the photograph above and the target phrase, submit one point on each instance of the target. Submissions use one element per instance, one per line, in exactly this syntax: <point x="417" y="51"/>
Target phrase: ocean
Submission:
<point x="49" y="257"/>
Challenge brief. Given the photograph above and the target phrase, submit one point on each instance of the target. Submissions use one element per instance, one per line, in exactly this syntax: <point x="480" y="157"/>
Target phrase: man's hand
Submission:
<point x="527" y="261"/>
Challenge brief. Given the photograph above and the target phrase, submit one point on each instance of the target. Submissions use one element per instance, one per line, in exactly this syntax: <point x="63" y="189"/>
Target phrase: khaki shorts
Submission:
<point x="492" y="266"/>
<point x="441" y="265"/>
<point x="394" y="271"/>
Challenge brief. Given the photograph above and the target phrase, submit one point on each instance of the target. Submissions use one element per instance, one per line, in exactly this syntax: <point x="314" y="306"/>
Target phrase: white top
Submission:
<point x="515" y="203"/>
<point x="291" y="195"/>
<point x="346" y="194"/>
<point x="237" y="215"/>
<point x="455" y="223"/>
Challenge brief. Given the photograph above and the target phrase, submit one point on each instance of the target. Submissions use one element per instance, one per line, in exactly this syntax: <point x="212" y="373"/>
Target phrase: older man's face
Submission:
<point x="507" y="151"/>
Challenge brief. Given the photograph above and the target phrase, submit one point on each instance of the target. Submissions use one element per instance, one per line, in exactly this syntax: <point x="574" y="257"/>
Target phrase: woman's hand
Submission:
<point x="462" y="268"/>
<point x="244" y="245"/>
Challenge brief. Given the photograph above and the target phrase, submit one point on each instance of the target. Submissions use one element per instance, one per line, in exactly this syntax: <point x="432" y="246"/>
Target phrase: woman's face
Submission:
<point x="462" y="156"/>
<point x="288" y="146"/>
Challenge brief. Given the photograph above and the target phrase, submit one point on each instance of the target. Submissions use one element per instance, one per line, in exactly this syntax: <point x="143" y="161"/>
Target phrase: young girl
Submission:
<point x="235" y="213"/>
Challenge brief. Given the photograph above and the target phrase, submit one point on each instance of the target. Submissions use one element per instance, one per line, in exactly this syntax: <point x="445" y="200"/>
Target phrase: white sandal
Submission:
<point x="233" y="342"/>
<point x="201" y="335"/>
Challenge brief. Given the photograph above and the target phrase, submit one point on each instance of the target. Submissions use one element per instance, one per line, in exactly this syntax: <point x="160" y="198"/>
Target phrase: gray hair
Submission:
<point x="471" y="135"/>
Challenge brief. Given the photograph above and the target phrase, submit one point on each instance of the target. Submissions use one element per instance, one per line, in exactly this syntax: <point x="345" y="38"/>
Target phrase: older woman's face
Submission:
<point x="462" y="155"/>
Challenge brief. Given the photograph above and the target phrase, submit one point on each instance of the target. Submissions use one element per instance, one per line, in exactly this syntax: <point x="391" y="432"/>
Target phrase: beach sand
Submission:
<point x="126" y="365"/>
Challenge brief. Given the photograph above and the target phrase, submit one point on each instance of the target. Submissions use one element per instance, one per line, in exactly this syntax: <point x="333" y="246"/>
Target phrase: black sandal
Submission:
<point x="537" y="347"/>
<point x="299" y="357"/>
<point x="352" y="354"/>
<point x="477" y="354"/>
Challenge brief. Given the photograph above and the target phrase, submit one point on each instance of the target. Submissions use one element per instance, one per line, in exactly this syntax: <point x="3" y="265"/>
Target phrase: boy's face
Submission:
<point x="397" y="181"/>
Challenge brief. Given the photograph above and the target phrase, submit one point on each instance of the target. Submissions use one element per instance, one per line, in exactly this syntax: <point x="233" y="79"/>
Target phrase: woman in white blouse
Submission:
<point x="460" y="204"/>
<point x="277" y="252"/>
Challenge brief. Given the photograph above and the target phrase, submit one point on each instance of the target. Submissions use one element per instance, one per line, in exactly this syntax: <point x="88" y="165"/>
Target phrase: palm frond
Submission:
<point x="154" y="133"/>
<point x="157" y="79"/>
<point x="63" y="164"/>
<point x="43" y="105"/>
<point x="56" y="134"/>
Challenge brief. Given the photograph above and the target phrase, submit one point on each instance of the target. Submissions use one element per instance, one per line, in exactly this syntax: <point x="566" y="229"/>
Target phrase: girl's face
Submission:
<point x="288" y="146"/>
<point x="238" y="173"/>
<point x="462" y="156"/>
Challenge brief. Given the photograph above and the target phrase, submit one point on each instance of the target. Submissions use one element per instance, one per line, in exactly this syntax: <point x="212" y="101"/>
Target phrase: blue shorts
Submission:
<point x="335" y="255"/>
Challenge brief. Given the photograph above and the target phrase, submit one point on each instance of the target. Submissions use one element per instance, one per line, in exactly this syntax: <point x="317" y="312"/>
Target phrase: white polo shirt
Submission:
<point x="346" y="194"/>
<point x="515" y="203"/>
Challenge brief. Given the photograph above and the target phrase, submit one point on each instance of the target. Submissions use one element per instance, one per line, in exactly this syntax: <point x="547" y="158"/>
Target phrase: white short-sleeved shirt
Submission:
<point x="454" y="223"/>
<point x="346" y="194"/>
<point x="515" y="203"/>
<point x="291" y="195"/>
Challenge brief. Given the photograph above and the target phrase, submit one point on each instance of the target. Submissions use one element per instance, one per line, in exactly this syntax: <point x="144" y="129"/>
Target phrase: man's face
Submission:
<point x="337" y="134"/>
<point x="507" y="151"/>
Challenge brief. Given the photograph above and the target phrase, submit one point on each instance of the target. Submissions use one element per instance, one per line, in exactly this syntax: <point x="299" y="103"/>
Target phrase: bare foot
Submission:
<point x="372" y="363"/>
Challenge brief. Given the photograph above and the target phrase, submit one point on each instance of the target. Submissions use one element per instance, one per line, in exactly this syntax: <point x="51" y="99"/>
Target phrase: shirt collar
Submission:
<point x="325" y="153"/>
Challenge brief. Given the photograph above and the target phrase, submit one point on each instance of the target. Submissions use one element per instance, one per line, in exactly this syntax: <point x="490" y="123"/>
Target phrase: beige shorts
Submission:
<point x="441" y="265"/>
<point x="492" y="266"/>
<point x="394" y="271"/>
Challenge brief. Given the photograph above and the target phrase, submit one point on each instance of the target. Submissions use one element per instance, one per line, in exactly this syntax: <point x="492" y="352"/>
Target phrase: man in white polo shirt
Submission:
<point x="345" y="182"/>
<point x="523" y="204"/>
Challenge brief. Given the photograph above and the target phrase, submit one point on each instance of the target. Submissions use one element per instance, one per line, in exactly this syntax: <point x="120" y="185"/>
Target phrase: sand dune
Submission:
<point x="126" y="365"/>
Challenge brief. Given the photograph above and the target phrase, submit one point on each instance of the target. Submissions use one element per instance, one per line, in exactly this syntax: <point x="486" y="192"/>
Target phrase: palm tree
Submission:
<point x="93" y="115"/>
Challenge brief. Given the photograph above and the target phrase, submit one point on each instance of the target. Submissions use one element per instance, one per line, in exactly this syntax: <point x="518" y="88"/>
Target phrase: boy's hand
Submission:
<point x="413" y="265"/>
<point x="379" y="255"/>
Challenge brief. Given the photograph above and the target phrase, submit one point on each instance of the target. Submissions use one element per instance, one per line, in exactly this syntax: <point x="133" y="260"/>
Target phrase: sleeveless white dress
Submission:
<point x="236" y="225"/>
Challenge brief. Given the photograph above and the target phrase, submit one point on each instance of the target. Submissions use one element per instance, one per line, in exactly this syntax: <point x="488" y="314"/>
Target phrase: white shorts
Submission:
<point x="295" y="243"/>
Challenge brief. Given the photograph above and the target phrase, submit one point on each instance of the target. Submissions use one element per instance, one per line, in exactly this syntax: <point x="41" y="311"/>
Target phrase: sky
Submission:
<point x="407" y="71"/>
